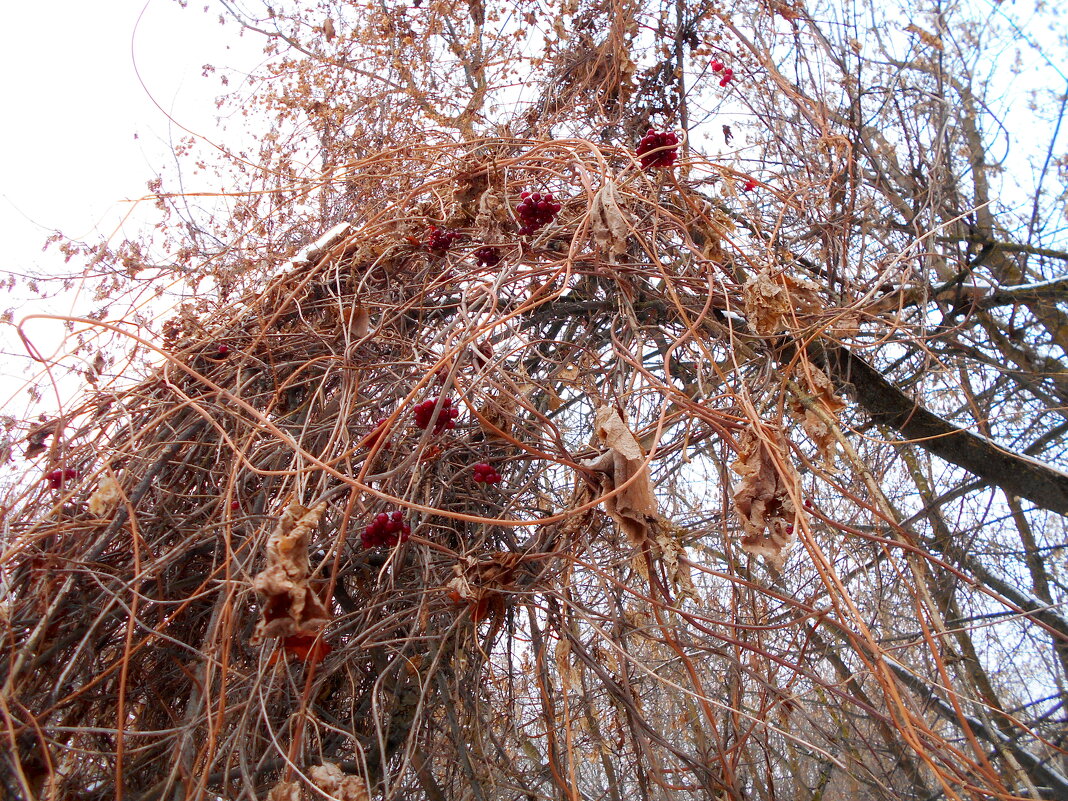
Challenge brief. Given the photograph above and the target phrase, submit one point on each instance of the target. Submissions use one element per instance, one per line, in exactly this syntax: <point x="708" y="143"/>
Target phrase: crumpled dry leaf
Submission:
<point x="497" y="415"/>
<point x="762" y="497"/>
<point x="819" y="386"/>
<point x="290" y="605"/>
<point x="607" y="221"/>
<point x="483" y="584"/>
<point x="770" y="298"/>
<point x="106" y="496"/>
<point x="285" y="791"/>
<point x="668" y="540"/>
<point x="358" y="320"/>
<point x="634" y="508"/>
<point x="339" y="785"/>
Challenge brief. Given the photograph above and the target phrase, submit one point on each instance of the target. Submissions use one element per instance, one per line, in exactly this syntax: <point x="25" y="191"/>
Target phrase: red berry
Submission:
<point x="385" y="529"/>
<point x="716" y="65"/>
<point x="424" y="415"/>
<point x="536" y="211"/>
<point x="487" y="257"/>
<point x="439" y="240"/>
<point x="727" y="75"/>
<point x="222" y="351"/>
<point x="658" y="149"/>
<point x="789" y="529"/>
<point x="55" y="478"/>
<point x="750" y="183"/>
<point x="235" y="505"/>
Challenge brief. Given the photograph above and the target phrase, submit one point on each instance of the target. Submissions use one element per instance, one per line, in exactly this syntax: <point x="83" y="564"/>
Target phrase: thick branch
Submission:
<point x="1016" y="473"/>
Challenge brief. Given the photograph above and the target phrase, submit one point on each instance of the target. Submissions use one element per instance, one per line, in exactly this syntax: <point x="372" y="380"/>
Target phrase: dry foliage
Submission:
<point x="620" y="615"/>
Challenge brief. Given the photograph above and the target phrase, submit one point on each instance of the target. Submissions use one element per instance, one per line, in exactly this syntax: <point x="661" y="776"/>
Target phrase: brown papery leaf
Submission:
<point x="607" y="222"/>
<point x="771" y="297"/>
<point x="290" y="605"/>
<point x="634" y="509"/>
<point x="359" y="321"/>
<point x="819" y="387"/>
<point x="762" y="497"/>
<point x="337" y="784"/>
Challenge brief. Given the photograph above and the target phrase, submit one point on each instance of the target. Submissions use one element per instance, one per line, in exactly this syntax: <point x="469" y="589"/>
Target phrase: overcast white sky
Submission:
<point x="72" y="104"/>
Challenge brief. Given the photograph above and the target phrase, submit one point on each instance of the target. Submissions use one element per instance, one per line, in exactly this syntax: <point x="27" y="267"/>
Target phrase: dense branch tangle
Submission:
<point x="573" y="662"/>
<point x="538" y="638"/>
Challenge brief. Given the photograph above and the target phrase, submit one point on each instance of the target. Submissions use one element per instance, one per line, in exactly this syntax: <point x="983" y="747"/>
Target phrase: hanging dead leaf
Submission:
<point x="105" y="497"/>
<point x="496" y="416"/>
<point x="607" y="222"/>
<point x="307" y="647"/>
<point x="668" y="539"/>
<point x="623" y="466"/>
<point x="337" y="784"/>
<point x="928" y="38"/>
<point x="290" y="605"/>
<point x="38" y="436"/>
<point x="762" y="497"/>
<point x="328" y="29"/>
<point x="771" y="300"/>
<point x="358" y="321"/>
<point x="821" y="396"/>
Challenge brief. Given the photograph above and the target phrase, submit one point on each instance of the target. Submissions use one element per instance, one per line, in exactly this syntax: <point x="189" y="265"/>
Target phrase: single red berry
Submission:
<point x="717" y="65"/>
<point x="750" y="184"/>
<point x="789" y="529"/>
<point x="222" y="351"/>
<point x="808" y="503"/>
<point x="235" y="505"/>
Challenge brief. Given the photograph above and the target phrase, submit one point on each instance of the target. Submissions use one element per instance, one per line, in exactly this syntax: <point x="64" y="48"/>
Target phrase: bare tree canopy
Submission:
<point x="588" y="401"/>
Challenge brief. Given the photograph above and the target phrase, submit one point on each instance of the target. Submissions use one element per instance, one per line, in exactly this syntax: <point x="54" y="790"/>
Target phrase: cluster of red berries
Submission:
<point x="444" y="420"/>
<point x="728" y="73"/>
<point x="487" y="256"/>
<point x="485" y="473"/>
<point x="658" y="149"/>
<point x="536" y="211"/>
<point x="439" y="240"/>
<point x="55" y="478"/>
<point x="386" y="529"/>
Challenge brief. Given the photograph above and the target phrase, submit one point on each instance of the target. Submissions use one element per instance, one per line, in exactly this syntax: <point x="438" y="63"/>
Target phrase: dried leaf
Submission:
<point x="337" y="784"/>
<point x="359" y="321"/>
<point x="290" y="605"/>
<point x="607" y="222"/>
<point x="762" y="497"/>
<point x="107" y="495"/>
<point x="928" y="38"/>
<point x="634" y="507"/>
<point x="496" y="416"/>
<point x="770" y="300"/>
<point x="309" y="647"/>
<point x="328" y="29"/>
<point x="39" y="434"/>
<point x="668" y="540"/>
<point x="821" y="393"/>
